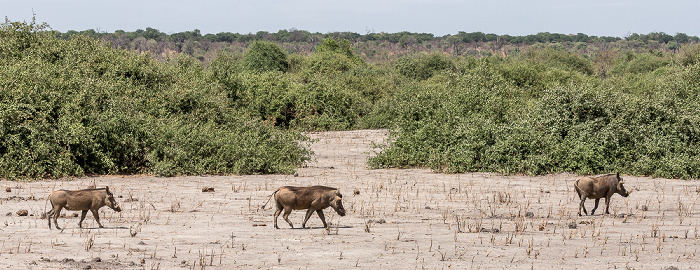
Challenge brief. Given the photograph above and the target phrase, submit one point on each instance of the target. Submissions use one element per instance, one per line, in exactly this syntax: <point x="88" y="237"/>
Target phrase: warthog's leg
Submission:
<point x="582" y="206"/>
<point x="96" y="214"/>
<point x="49" y="215"/>
<point x="323" y="218"/>
<point x="82" y="217"/>
<point x="288" y="211"/>
<point x="277" y="214"/>
<point x="596" y="206"/>
<point x="306" y="218"/>
<point x="55" y="216"/>
<point x="607" y="204"/>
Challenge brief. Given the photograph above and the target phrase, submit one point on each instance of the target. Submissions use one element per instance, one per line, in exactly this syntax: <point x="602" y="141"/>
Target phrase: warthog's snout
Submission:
<point x="337" y="204"/>
<point x="628" y="193"/>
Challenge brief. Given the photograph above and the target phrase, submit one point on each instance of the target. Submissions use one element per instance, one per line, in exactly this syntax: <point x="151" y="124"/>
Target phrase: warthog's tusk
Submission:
<point x="629" y="192"/>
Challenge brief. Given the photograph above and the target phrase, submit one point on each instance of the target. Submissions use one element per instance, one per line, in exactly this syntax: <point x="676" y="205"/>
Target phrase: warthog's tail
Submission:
<point x="46" y="214"/>
<point x="268" y="198"/>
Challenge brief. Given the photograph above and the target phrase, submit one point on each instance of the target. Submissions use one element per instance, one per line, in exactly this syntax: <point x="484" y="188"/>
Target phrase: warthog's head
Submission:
<point x="621" y="188"/>
<point x="337" y="203"/>
<point x="111" y="202"/>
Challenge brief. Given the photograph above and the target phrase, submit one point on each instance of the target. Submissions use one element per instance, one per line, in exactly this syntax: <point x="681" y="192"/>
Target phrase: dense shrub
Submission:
<point x="265" y="56"/>
<point x="581" y="129"/>
<point x="423" y="66"/>
<point x="332" y="58"/>
<point x="75" y="107"/>
<point x="632" y="63"/>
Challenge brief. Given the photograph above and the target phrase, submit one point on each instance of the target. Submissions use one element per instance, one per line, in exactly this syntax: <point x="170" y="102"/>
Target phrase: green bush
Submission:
<point x="265" y="56"/>
<point x="632" y="63"/>
<point x="423" y="66"/>
<point x="75" y="107"/>
<point x="458" y="124"/>
<point x="331" y="58"/>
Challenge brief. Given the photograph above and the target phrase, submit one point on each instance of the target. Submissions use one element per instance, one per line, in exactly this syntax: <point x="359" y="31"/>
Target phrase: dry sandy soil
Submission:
<point x="397" y="219"/>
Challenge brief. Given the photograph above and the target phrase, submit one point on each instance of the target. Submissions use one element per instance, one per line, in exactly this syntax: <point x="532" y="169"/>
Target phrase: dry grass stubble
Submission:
<point x="396" y="219"/>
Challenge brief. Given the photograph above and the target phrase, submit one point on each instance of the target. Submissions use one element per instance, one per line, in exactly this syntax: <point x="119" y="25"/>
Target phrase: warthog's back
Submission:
<point x="78" y="199"/>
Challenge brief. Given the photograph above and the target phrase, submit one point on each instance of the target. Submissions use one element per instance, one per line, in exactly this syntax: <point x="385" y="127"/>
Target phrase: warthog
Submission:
<point x="314" y="198"/>
<point x="86" y="199"/>
<point x="598" y="187"/>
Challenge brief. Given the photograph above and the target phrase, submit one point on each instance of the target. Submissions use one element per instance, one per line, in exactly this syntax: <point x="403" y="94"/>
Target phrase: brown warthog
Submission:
<point x="598" y="187"/>
<point x="314" y="198"/>
<point x="86" y="199"/>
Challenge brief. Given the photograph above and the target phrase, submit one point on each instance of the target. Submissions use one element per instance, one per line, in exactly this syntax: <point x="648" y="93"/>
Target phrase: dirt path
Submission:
<point x="401" y="219"/>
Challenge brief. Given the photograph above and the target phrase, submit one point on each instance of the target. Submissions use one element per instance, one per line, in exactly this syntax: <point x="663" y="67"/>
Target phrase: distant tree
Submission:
<point x="222" y="37"/>
<point x="140" y="44"/>
<point x="188" y="47"/>
<point x="264" y="35"/>
<point x="423" y="37"/>
<point x="331" y="45"/>
<point x="299" y="36"/>
<point x="152" y="33"/>
<point x="246" y="38"/>
<point x="681" y="38"/>
<point x="581" y="37"/>
<point x="265" y="56"/>
<point x="660" y="37"/>
<point x="673" y="46"/>
<point x="407" y="40"/>
<point x="454" y="43"/>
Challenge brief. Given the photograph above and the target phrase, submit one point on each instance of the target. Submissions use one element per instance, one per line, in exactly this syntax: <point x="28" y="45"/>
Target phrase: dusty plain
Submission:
<point x="397" y="219"/>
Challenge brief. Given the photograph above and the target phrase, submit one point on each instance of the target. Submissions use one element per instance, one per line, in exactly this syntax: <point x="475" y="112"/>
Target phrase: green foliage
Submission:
<point x="265" y="56"/>
<point x="243" y="147"/>
<point x="559" y="58"/>
<point x="332" y="58"/>
<point x="579" y="129"/>
<point x="72" y="106"/>
<point x="486" y="119"/>
<point x="690" y="55"/>
<point x="75" y="107"/>
<point x="632" y="63"/>
<point x="423" y="66"/>
<point x="342" y="47"/>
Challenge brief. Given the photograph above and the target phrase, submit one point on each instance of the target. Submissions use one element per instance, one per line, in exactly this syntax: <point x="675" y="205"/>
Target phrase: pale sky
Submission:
<point x="439" y="17"/>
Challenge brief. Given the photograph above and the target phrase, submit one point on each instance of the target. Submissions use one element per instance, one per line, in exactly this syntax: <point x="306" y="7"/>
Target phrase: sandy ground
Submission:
<point x="401" y="219"/>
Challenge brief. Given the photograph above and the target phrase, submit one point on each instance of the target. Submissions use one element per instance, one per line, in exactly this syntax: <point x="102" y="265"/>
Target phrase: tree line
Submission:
<point x="374" y="47"/>
<point x="295" y="35"/>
